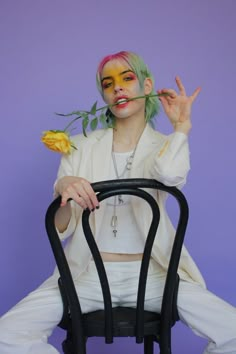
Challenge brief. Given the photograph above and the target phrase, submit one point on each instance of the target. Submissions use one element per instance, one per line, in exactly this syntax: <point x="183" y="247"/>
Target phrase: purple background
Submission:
<point x="49" y="54"/>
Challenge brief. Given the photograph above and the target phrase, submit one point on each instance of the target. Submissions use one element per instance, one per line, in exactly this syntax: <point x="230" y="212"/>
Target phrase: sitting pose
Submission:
<point x="132" y="148"/>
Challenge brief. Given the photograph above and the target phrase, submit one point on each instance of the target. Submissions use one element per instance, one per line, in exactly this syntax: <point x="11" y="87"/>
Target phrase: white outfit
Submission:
<point x="24" y="329"/>
<point x="164" y="158"/>
<point x="128" y="237"/>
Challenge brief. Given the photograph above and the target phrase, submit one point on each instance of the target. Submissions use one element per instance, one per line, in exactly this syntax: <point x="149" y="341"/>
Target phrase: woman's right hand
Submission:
<point x="79" y="189"/>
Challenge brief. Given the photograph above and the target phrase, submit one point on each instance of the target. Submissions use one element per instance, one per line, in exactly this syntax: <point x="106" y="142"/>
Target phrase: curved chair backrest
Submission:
<point x="107" y="189"/>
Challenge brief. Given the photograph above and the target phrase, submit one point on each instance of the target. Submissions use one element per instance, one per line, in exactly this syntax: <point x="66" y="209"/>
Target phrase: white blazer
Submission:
<point x="160" y="157"/>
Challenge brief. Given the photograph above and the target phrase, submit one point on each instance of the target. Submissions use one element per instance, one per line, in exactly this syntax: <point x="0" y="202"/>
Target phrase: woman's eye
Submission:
<point x="106" y="85"/>
<point x="128" y="78"/>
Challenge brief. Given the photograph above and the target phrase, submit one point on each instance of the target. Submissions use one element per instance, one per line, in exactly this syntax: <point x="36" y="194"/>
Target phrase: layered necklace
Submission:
<point x="118" y="199"/>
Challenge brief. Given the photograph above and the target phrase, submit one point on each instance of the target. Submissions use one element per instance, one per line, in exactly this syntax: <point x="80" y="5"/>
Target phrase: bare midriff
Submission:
<point x="120" y="257"/>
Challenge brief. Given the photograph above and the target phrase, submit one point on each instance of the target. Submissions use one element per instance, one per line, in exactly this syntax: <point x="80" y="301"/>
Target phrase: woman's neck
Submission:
<point x="126" y="136"/>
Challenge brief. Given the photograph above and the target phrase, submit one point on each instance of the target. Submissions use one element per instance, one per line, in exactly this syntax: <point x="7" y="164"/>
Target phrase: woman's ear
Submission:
<point x="148" y="86"/>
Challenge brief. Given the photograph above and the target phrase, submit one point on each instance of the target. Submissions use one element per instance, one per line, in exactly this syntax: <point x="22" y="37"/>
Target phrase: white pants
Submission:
<point x="25" y="328"/>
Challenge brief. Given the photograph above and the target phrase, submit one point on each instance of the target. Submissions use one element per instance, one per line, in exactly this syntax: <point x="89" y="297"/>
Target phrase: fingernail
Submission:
<point x="97" y="207"/>
<point x="92" y="209"/>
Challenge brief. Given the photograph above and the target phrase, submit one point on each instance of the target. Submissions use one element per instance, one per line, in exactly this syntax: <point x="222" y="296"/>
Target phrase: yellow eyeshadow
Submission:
<point x="118" y="76"/>
<point x="114" y="71"/>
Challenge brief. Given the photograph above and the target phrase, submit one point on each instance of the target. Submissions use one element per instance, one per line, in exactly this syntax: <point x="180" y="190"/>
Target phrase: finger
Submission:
<point x="180" y="86"/>
<point x="196" y="93"/>
<point x="162" y="94"/>
<point x="88" y="194"/>
<point x="63" y="202"/>
<point x="159" y="92"/>
<point x="84" y="199"/>
<point x="82" y="193"/>
<point x="70" y="193"/>
<point x="92" y="195"/>
<point x="77" y="198"/>
<point x="164" y="102"/>
<point x="83" y="203"/>
<point x="65" y="197"/>
<point x="171" y="93"/>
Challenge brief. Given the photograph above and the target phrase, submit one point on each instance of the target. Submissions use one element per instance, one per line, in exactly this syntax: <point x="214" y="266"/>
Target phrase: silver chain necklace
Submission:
<point x="128" y="166"/>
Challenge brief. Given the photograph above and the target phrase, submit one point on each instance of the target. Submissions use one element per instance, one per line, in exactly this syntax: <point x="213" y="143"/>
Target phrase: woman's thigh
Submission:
<point x="39" y="312"/>
<point x="208" y="315"/>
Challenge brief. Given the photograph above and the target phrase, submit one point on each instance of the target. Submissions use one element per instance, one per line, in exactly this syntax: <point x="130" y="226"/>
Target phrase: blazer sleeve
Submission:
<point x="170" y="163"/>
<point x="66" y="169"/>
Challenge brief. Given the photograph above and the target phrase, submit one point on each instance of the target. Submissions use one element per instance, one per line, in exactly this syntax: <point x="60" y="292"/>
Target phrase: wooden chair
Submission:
<point x="111" y="322"/>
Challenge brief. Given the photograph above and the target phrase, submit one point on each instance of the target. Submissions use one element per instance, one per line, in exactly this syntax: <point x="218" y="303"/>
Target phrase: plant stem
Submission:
<point x="72" y="122"/>
<point x="112" y="105"/>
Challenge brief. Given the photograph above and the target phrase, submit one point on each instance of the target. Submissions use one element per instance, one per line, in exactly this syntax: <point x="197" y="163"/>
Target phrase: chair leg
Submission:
<point x="148" y="345"/>
<point x="68" y="347"/>
<point x="165" y="343"/>
<point x="165" y="351"/>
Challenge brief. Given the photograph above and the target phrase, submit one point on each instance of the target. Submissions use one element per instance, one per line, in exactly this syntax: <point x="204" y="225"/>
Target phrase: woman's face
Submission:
<point x="119" y="83"/>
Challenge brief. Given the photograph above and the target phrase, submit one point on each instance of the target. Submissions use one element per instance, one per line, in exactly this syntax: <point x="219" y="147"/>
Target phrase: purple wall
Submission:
<point x="49" y="53"/>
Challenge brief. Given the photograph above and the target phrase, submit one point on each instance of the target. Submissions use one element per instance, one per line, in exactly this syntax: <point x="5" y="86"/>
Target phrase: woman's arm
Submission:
<point x="170" y="164"/>
<point x="78" y="189"/>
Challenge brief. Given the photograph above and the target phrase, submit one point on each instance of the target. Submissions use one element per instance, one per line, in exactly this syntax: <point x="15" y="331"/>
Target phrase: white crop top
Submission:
<point x="128" y="238"/>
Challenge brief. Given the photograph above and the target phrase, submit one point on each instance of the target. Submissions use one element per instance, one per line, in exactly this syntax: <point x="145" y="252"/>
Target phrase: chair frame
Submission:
<point x="73" y="320"/>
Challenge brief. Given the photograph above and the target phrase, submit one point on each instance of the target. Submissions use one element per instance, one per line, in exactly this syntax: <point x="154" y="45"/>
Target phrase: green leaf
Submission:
<point x="94" y="123"/>
<point x="64" y="115"/>
<point x="103" y="119"/>
<point x="78" y="113"/>
<point x="84" y="114"/>
<point x="85" y="123"/>
<point x="94" y="108"/>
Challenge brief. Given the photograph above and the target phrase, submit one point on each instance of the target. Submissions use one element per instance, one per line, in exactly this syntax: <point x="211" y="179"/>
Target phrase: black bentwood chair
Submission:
<point x="111" y="322"/>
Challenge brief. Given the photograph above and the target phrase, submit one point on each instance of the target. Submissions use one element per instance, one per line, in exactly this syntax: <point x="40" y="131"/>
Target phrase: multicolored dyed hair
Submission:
<point x="142" y="72"/>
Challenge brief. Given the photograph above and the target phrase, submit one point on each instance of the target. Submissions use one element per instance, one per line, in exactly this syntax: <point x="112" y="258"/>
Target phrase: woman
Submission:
<point x="130" y="149"/>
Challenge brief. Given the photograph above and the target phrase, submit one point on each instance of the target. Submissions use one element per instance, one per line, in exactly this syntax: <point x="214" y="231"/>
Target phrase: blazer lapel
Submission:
<point x="101" y="158"/>
<point x="145" y="146"/>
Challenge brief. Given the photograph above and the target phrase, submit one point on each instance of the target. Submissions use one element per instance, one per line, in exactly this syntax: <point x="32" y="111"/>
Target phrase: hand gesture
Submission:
<point x="178" y="106"/>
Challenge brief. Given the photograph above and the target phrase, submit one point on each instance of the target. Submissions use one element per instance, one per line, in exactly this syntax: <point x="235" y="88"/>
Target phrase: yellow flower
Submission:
<point x="58" y="141"/>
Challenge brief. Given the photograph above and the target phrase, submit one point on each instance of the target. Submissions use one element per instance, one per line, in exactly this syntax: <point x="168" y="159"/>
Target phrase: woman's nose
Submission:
<point x="117" y="87"/>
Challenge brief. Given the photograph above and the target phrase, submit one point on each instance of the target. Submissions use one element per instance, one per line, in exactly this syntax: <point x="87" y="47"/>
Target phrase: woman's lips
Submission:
<point x="121" y="102"/>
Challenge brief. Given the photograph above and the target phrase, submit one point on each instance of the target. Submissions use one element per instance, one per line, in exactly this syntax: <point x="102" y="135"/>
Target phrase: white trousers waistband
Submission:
<point x="128" y="267"/>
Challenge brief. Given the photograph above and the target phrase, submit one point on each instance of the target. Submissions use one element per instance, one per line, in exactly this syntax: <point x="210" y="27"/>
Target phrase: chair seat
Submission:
<point x="124" y="319"/>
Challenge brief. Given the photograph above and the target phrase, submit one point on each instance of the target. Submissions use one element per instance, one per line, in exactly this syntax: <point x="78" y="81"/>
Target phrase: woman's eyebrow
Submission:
<point x="122" y="73"/>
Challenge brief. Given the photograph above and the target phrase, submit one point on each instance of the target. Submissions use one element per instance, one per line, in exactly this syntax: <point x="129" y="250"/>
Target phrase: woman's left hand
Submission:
<point x="178" y="106"/>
